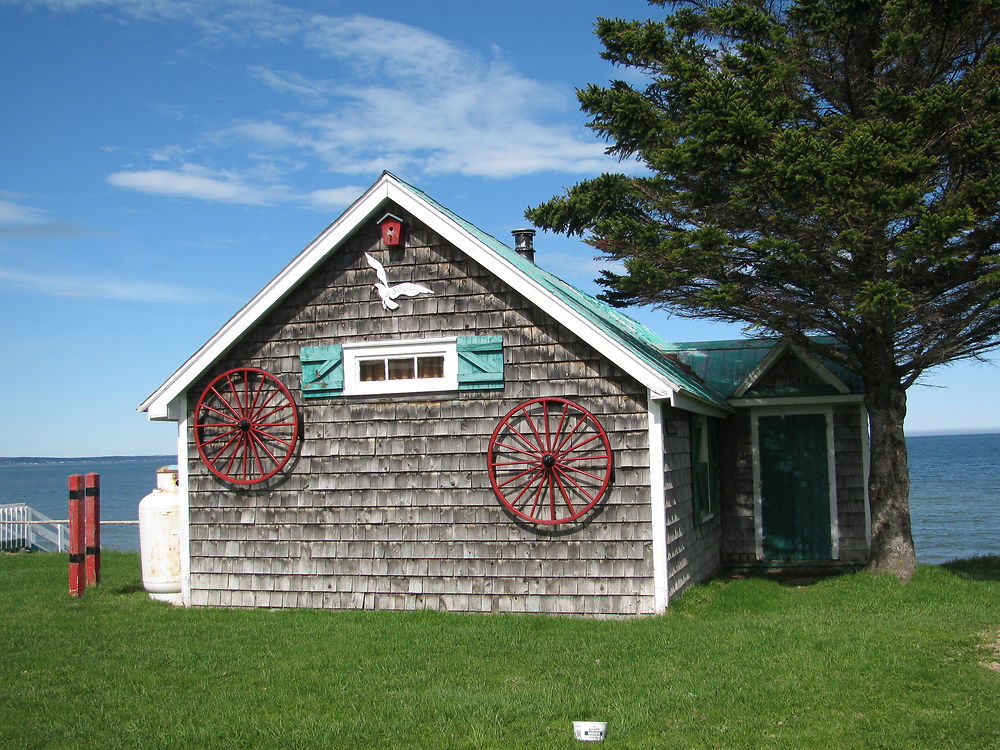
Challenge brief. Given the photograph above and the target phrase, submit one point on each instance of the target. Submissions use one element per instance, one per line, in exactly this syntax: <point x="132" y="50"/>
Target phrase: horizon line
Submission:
<point x="942" y="432"/>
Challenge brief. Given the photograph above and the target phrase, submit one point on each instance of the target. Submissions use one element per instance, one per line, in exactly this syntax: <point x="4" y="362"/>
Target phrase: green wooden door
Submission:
<point x="794" y="487"/>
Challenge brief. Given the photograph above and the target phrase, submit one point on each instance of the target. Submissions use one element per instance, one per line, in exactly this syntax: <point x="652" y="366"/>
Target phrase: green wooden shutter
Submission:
<point x="480" y="362"/>
<point x="322" y="370"/>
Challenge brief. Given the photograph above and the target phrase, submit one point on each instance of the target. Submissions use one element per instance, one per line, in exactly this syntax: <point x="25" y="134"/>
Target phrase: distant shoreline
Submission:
<point x="951" y="433"/>
<point x="171" y="458"/>
<point x="48" y="460"/>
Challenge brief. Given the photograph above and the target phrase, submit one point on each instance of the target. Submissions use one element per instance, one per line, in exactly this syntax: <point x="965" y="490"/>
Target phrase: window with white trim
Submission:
<point x="704" y="479"/>
<point x="400" y="367"/>
<point x="464" y="363"/>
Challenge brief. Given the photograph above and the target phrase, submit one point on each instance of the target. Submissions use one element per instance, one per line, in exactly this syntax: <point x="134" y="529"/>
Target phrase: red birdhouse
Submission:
<point x="392" y="230"/>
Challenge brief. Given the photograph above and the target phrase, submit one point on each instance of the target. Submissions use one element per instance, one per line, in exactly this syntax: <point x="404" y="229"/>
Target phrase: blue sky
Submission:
<point x="163" y="159"/>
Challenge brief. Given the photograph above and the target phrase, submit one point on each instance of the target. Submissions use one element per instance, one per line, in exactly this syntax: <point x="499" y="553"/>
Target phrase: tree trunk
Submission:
<point x="889" y="483"/>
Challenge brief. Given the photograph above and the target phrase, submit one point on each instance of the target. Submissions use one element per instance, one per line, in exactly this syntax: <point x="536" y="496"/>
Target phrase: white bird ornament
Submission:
<point x="389" y="293"/>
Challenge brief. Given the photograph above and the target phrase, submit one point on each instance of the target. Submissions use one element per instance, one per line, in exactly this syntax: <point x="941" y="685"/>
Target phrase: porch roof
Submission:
<point x="725" y="365"/>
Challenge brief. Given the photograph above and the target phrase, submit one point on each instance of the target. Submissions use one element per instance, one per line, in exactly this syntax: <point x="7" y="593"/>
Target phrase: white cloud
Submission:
<point x="377" y="47"/>
<point x="334" y="197"/>
<point x="240" y="19"/>
<point x="421" y="103"/>
<point x="265" y="133"/>
<point x="196" y="182"/>
<point x="287" y="82"/>
<point x="169" y="110"/>
<point x="103" y="288"/>
<point x="14" y="213"/>
<point x="169" y="153"/>
<point x="483" y="129"/>
<point x="17" y="220"/>
<point x="395" y="97"/>
<point x="192" y="181"/>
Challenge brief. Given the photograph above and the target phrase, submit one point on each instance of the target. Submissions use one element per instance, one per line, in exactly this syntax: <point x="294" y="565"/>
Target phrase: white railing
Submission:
<point x="23" y="527"/>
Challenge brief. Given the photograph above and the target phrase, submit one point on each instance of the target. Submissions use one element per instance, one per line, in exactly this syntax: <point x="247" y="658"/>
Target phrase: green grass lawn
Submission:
<point x="857" y="661"/>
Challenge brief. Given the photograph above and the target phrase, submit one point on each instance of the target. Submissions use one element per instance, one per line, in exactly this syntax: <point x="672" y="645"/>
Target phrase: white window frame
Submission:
<point x="712" y="489"/>
<point x="355" y="353"/>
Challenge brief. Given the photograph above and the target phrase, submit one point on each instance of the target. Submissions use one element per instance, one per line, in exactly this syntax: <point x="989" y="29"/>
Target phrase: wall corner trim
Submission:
<point x="658" y="504"/>
<point x="185" y="509"/>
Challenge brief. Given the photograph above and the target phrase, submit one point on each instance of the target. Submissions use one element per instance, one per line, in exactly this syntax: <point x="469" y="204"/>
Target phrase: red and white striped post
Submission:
<point x="77" y="577"/>
<point x="92" y="523"/>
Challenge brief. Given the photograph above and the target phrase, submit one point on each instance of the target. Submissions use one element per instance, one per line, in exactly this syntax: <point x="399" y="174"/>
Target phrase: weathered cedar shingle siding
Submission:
<point x="736" y="488"/>
<point x="693" y="550"/>
<point x="848" y="424"/>
<point x="387" y="503"/>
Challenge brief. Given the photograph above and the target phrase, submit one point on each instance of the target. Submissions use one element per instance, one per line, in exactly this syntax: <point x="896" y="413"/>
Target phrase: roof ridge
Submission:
<point x="620" y="338"/>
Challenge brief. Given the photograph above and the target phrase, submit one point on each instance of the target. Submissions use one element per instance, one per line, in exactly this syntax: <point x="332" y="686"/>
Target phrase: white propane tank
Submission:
<point x="160" y="538"/>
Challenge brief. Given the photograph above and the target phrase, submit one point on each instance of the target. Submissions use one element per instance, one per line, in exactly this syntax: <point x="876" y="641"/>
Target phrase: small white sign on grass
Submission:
<point x="589" y="731"/>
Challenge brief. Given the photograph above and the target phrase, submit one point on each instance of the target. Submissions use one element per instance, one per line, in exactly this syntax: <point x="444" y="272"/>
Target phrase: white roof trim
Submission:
<point x="786" y="401"/>
<point x="688" y="403"/>
<point x="822" y="370"/>
<point x="388" y="187"/>
<point x="818" y="368"/>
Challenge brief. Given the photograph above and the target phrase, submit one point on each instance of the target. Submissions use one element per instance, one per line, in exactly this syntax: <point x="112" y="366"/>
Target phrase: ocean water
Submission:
<point x="955" y="496"/>
<point x="954" y="493"/>
<point x="124" y="482"/>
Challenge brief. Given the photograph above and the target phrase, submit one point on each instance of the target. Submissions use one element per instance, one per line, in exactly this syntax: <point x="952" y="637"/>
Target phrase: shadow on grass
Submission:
<point x="133" y="588"/>
<point x="978" y="568"/>
<point x="792" y="577"/>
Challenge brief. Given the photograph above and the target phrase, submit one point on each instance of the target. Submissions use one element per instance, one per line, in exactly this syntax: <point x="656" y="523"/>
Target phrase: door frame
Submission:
<point x="773" y="411"/>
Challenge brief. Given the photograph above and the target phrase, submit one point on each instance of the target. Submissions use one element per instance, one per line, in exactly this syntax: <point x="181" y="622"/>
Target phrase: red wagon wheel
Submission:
<point x="549" y="461"/>
<point x="246" y="425"/>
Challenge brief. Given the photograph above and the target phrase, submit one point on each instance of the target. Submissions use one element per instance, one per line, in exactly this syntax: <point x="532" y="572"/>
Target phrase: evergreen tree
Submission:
<point x="812" y="167"/>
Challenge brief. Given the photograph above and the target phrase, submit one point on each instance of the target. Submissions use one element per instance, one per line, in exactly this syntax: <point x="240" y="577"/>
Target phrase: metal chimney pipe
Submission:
<point x="524" y="243"/>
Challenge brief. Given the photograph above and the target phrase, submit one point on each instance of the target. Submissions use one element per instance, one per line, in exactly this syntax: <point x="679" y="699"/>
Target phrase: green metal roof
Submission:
<point x="724" y="365"/>
<point x="644" y="343"/>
